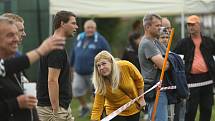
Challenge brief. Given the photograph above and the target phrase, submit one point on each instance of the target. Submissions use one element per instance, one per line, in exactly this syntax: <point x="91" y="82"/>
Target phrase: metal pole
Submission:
<point x="39" y="22"/>
<point x="50" y="24"/>
<point x="212" y="25"/>
<point x="182" y="24"/>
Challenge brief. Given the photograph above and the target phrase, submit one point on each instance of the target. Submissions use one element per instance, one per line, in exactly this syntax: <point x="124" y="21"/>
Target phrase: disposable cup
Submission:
<point x="30" y="89"/>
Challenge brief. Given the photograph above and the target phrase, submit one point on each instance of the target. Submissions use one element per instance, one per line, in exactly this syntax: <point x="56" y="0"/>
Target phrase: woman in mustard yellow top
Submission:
<point x="116" y="83"/>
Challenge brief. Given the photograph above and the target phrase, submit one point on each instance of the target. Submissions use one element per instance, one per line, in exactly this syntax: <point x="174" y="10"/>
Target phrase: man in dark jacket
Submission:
<point x="198" y="52"/>
<point x="14" y="105"/>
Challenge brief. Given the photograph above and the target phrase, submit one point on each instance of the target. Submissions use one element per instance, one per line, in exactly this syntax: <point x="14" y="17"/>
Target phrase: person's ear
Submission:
<point x="147" y="27"/>
<point x="62" y="23"/>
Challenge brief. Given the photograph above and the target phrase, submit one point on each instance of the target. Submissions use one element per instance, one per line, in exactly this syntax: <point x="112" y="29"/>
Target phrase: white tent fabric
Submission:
<point x="128" y="8"/>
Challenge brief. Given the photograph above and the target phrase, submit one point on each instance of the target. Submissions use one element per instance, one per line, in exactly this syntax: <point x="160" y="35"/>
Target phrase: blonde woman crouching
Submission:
<point x="116" y="83"/>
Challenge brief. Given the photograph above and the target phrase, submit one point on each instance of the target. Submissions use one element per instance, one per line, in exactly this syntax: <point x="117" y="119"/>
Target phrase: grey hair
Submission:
<point x="147" y="20"/>
<point x="14" y="17"/>
<point x="6" y="20"/>
<point x="89" y="22"/>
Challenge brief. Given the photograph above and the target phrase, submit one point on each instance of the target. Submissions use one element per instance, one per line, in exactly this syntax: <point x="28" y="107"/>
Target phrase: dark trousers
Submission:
<point x="202" y="96"/>
<point x="134" y="117"/>
<point x="180" y="110"/>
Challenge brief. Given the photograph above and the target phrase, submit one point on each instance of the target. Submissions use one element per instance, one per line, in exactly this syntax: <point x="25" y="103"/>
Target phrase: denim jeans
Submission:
<point x="162" y="111"/>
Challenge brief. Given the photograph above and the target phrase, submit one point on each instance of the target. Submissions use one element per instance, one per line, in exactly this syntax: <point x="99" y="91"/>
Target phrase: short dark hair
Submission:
<point x="136" y="24"/>
<point x="62" y="16"/>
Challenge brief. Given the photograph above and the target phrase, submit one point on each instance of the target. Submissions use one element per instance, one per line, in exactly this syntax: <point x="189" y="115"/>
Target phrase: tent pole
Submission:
<point x="212" y="26"/>
<point x="182" y="24"/>
<point x="50" y="23"/>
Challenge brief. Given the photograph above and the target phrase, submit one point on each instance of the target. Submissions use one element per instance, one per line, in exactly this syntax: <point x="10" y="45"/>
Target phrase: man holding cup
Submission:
<point x="12" y="97"/>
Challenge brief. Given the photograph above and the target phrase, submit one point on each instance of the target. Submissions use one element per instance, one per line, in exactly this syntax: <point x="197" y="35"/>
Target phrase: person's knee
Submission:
<point x="77" y="89"/>
<point x="78" y="92"/>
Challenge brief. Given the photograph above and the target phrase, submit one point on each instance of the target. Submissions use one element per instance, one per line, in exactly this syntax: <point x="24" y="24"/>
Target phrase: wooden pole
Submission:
<point x="162" y="75"/>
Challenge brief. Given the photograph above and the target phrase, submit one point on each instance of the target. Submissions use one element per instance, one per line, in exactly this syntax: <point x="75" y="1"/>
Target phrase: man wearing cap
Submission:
<point x="198" y="51"/>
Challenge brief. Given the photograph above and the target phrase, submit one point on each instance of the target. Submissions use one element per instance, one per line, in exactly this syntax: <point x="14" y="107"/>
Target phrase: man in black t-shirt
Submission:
<point x="54" y="90"/>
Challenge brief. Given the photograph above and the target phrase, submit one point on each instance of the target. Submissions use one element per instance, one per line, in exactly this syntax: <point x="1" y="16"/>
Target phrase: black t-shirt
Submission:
<point x="56" y="59"/>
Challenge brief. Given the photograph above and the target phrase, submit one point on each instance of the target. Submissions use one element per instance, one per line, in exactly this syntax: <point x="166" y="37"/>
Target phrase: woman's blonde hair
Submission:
<point x="99" y="80"/>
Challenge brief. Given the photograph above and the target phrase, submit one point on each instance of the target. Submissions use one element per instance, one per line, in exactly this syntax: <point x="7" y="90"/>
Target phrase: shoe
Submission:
<point x="84" y="112"/>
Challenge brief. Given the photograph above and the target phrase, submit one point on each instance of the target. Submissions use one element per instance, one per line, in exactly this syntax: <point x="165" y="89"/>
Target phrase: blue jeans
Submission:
<point x="162" y="111"/>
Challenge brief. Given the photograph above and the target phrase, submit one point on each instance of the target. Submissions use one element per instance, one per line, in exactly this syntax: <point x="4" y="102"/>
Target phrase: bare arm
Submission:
<point x="158" y="60"/>
<point x="33" y="56"/>
<point x="140" y="92"/>
<point x="141" y="101"/>
<point x="53" y="88"/>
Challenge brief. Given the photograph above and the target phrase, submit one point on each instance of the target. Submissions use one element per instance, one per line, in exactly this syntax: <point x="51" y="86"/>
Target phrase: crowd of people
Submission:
<point x="92" y="68"/>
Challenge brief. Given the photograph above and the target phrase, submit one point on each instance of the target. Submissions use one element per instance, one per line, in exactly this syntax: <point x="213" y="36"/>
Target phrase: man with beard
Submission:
<point x="54" y="83"/>
<point x="151" y="53"/>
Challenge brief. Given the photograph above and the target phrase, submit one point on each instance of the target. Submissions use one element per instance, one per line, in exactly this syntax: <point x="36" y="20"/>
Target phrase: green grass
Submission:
<point x="75" y="112"/>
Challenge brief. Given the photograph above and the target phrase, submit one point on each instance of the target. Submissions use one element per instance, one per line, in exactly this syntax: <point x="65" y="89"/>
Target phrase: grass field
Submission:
<point x="75" y="111"/>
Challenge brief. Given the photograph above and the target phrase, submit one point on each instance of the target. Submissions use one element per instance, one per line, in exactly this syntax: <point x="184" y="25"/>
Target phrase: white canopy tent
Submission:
<point x="129" y="8"/>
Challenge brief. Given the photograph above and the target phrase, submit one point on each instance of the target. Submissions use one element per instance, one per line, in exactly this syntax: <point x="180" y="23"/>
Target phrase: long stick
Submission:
<point x="162" y="75"/>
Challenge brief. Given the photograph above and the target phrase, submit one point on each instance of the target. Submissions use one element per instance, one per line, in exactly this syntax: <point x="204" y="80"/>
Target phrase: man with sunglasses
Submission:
<point x="198" y="51"/>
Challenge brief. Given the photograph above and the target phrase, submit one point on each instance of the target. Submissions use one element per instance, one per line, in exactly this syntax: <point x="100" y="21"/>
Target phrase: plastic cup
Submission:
<point x="30" y="89"/>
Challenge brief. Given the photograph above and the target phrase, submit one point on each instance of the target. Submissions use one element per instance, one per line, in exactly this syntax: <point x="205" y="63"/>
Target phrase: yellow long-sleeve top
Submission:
<point x="130" y="82"/>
